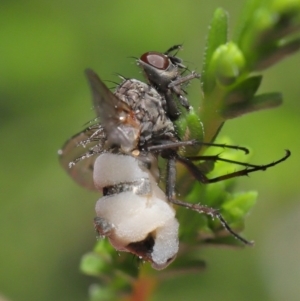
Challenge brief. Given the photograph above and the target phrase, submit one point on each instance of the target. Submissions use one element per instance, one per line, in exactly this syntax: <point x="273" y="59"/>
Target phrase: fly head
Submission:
<point x="165" y="72"/>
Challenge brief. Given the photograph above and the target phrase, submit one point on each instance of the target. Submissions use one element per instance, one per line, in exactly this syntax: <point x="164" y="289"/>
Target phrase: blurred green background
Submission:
<point x="46" y="219"/>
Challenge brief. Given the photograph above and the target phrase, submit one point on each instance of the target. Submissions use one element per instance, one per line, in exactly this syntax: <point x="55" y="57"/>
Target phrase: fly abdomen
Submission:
<point x="134" y="213"/>
<point x="115" y="169"/>
<point x="140" y="187"/>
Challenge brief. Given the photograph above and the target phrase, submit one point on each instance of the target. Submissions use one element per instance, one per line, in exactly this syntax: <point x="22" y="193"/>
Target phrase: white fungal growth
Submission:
<point x="111" y="169"/>
<point x="141" y="219"/>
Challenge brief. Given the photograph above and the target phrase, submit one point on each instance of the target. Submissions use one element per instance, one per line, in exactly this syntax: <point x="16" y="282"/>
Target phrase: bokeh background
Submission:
<point x="46" y="219"/>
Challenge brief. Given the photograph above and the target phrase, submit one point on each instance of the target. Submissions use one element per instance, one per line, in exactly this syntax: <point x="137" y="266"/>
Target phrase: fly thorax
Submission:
<point x="149" y="108"/>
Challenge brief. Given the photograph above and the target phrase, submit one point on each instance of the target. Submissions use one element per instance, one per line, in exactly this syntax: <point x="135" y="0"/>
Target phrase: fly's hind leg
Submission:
<point x="170" y="189"/>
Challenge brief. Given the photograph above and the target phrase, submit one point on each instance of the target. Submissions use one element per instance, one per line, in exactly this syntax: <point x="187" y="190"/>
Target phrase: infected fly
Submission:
<point x="110" y="156"/>
<point x="118" y="155"/>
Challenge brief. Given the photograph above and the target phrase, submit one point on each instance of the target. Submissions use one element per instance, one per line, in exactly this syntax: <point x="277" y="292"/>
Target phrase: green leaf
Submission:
<point x="244" y="18"/>
<point x="252" y="42"/>
<point x="189" y="126"/>
<point x="101" y="293"/>
<point x="239" y="205"/>
<point x="243" y="91"/>
<point x="286" y="7"/>
<point x="275" y="55"/>
<point x="260" y="102"/>
<point x="92" y="264"/>
<point x="216" y="37"/>
<point x="263" y="37"/>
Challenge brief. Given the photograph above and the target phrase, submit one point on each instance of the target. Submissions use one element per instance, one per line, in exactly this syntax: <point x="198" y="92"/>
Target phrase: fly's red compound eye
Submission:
<point x="156" y="60"/>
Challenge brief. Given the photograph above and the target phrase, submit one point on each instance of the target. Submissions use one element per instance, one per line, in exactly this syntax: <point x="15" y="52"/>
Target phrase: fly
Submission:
<point x="111" y="156"/>
<point x="119" y="157"/>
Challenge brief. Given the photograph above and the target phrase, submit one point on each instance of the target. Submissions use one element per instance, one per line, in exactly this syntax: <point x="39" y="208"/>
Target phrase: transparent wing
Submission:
<point x="79" y="153"/>
<point x="118" y="127"/>
<point x="107" y="106"/>
<point x="117" y="117"/>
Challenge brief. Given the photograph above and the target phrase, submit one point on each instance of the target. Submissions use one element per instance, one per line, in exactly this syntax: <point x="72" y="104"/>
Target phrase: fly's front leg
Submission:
<point x="244" y="172"/>
<point x="166" y="144"/>
<point x="183" y="79"/>
<point x="170" y="187"/>
<point x="103" y="227"/>
<point x="175" y="86"/>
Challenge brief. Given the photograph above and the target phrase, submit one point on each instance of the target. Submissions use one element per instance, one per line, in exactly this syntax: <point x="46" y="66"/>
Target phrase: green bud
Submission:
<point x="92" y="264"/>
<point x="286" y="6"/>
<point x="228" y="63"/>
<point x="255" y="40"/>
<point x="217" y="36"/>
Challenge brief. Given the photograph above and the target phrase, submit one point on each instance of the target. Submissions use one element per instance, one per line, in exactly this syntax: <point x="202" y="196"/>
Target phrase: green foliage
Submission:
<point x="216" y="38"/>
<point x="46" y="219"/>
<point x="265" y="35"/>
<point x="268" y="32"/>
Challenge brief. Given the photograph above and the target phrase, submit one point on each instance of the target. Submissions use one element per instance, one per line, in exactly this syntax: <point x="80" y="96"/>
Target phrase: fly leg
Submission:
<point x="166" y="144"/>
<point x="244" y="172"/>
<point x="183" y="79"/>
<point x="201" y="177"/>
<point x="173" y="48"/>
<point x="175" y="86"/>
<point x="170" y="189"/>
<point x="102" y="227"/>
